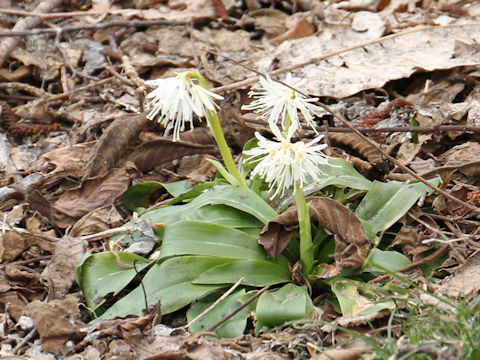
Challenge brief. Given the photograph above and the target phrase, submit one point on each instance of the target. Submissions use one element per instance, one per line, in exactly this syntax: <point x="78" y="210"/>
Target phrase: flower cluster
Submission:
<point x="175" y="99"/>
<point x="282" y="163"/>
<point x="277" y="101"/>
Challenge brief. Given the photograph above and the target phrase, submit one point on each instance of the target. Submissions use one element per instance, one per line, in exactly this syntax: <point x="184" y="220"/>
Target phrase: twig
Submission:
<point x="124" y="23"/>
<point x="30" y="336"/>
<point x="220" y="299"/>
<point x="24" y="87"/>
<point x="50" y="15"/>
<point x="285" y="69"/>
<point x="391" y="129"/>
<point x="8" y="44"/>
<point x="72" y="68"/>
<point x="244" y="305"/>
<point x="441" y="251"/>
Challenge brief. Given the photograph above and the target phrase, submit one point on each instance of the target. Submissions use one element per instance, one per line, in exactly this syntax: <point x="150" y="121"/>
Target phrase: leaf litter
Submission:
<point x="75" y="139"/>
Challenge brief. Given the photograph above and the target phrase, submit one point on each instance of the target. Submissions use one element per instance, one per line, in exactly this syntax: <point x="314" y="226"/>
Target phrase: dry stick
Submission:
<point x="220" y="299"/>
<point x="244" y="305"/>
<point x="124" y="23"/>
<point x="441" y="251"/>
<point x="50" y="15"/>
<point x="396" y="162"/>
<point x="253" y="79"/>
<point x="8" y="44"/>
<point x="391" y="129"/>
<point x="373" y="144"/>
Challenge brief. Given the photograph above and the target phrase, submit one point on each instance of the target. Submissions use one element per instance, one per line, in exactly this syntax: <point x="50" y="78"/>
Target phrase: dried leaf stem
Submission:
<point x="104" y="25"/>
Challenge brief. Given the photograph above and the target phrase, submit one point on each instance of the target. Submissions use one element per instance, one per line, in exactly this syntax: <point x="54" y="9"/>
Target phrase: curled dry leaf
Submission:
<point x="362" y="147"/>
<point x="111" y="146"/>
<point x="148" y="155"/>
<point x="351" y="243"/>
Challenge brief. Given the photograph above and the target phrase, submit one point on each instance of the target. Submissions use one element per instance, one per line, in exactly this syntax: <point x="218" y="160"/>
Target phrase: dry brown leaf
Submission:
<point x="70" y="159"/>
<point x="11" y="245"/>
<point x="92" y="194"/>
<point x="361" y="146"/>
<point x="466" y="281"/>
<point x="299" y="26"/>
<point x="114" y="142"/>
<point x="60" y="270"/>
<point x="53" y="321"/>
<point x="153" y="153"/>
<point x="353" y="71"/>
<point x="351" y="243"/>
<point x="14" y="302"/>
<point x="97" y="221"/>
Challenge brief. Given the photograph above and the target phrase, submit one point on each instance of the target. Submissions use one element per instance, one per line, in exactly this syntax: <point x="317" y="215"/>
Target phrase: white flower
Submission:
<point x="283" y="164"/>
<point x="176" y="99"/>
<point x="275" y="100"/>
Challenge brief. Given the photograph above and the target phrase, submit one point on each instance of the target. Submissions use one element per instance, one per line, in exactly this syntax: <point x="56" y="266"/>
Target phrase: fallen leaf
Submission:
<point x="92" y="194"/>
<point x="114" y="142"/>
<point x="465" y="282"/>
<point x="70" y="159"/>
<point x="60" y="270"/>
<point x="153" y="153"/>
<point x="351" y="243"/>
<point x="53" y="321"/>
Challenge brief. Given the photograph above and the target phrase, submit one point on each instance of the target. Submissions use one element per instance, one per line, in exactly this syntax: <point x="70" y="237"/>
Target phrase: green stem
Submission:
<point x="306" y="246"/>
<point x="227" y="157"/>
<point x="214" y="124"/>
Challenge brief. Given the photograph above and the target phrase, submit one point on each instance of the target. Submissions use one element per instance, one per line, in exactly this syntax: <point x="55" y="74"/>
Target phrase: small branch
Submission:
<point x="441" y="251"/>
<point x="244" y="305"/>
<point x="219" y="300"/>
<point x="124" y="23"/>
<point x="44" y="15"/>
<point x="391" y="129"/>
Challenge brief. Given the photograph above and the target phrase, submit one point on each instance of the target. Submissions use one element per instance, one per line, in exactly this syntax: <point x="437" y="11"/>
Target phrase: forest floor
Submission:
<point x="404" y="75"/>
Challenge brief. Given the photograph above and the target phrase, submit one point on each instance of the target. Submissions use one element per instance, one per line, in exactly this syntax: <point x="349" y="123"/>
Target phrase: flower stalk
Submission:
<point x="176" y="99"/>
<point x="305" y="230"/>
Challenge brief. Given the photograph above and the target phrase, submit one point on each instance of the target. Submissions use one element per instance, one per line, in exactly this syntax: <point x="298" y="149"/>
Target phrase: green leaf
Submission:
<point x="197" y="238"/>
<point x="386" y="203"/>
<point x="290" y="302"/>
<point x="256" y="273"/>
<point x="226" y="205"/>
<point x="106" y="273"/>
<point x="141" y="195"/>
<point x="352" y="303"/>
<point x="233" y="327"/>
<point x="340" y="174"/>
<point x="390" y="260"/>
<point x="169" y="283"/>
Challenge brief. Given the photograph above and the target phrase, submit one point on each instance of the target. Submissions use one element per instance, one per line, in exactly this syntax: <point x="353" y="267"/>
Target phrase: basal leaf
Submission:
<point x="290" y="302"/>
<point x="169" y="283"/>
<point x="386" y="203"/>
<point x="198" y="238"/>
<point x="352" y="303"/>
<point x="255" y="272"/>
<point x="233" y="327"/>
<point x="107" y="273"/>
<point x="390" y="260"/>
